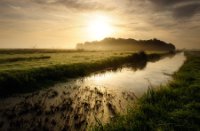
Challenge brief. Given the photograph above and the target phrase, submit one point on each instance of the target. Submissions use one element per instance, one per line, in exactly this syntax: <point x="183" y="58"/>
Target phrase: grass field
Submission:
<point x="173" y="107"/>
<point x="23" y="60"/>
<point x="28" y="70"/>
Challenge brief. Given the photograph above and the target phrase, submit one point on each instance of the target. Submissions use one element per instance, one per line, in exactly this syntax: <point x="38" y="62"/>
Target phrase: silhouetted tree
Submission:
<point x="127" y="44"/>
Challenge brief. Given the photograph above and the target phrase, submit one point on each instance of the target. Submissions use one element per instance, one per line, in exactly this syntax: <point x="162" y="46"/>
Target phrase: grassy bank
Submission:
<point x="21" y="81"/>
<point x="175" y="106"/>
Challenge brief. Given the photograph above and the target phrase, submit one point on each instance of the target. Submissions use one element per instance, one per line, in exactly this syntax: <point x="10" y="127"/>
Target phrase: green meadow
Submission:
<point x="174" y="106"/>
<point x="24" y="71"/>
<point x="23" y="59"/>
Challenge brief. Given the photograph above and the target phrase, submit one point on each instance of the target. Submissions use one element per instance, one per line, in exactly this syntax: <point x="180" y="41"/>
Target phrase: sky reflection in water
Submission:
<point x="125" y="79"/>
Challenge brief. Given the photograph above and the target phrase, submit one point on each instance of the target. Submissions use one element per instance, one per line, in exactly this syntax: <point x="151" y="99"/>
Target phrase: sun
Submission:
<point x="99" y="27"/>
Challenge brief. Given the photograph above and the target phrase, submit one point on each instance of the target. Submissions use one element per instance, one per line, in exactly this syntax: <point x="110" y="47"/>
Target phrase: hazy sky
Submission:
<point x="63" y="23"/>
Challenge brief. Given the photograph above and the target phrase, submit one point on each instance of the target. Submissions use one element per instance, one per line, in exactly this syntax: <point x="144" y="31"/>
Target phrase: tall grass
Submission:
<point x="173" y="107"/>
<point x="20" y="81"/>
<point x="17" y="59"/>
<point x="57" y="57"/>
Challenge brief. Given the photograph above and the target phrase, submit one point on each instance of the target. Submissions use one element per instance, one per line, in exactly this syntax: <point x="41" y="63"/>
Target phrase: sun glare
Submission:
<point x="99" y="27"/>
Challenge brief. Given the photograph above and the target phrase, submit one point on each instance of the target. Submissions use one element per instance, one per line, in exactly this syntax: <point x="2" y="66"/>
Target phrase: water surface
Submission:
<point x="81" y="103"/>
<point x="136" y="80"/>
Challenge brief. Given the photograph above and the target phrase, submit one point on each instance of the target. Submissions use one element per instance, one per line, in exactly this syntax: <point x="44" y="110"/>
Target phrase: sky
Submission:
<point x="64" y="23"/>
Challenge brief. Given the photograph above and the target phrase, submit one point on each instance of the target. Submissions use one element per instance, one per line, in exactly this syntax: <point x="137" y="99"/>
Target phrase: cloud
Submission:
<point x="168" y="19"/>
<point x="79" y="5"/>
<point x="179" y="9"/>
<point x="186" y="11"/>
<point x="40" y="9"/>
<point x="165" y="3"/>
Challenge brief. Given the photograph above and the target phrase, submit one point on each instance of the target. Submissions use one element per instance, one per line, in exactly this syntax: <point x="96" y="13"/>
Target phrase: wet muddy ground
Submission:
<point x="64" y="108"/>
